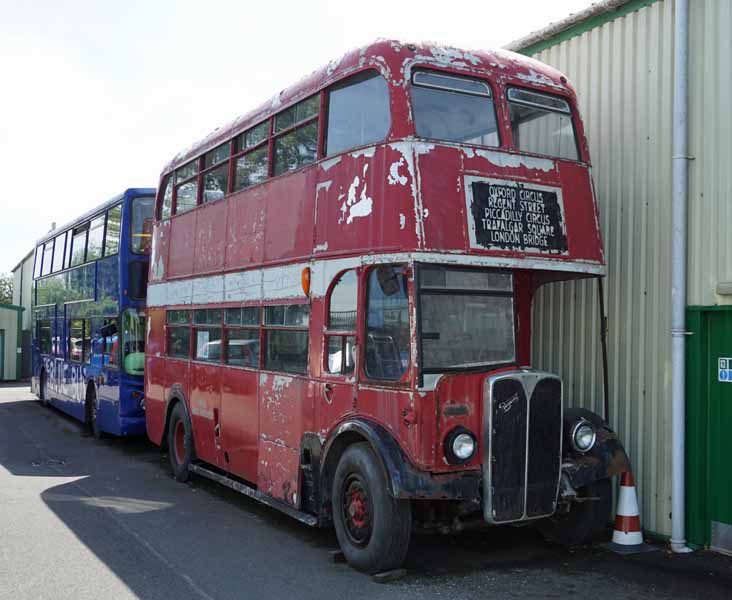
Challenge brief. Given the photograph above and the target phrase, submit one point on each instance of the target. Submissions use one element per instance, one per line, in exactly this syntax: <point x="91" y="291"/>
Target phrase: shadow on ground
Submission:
<point x="122" y="503"/>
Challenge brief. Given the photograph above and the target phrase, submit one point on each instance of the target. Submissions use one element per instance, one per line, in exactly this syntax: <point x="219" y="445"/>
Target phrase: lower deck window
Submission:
<point x="79" y="340"/>
<point x="178" y="333"/>
<point x="44" y="335"/>
<point x="207" y="334"/>
<point x="286" y="337"/>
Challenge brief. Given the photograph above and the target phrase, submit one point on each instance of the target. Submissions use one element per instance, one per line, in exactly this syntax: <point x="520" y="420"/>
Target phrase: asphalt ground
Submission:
<point x="84" y="518"/>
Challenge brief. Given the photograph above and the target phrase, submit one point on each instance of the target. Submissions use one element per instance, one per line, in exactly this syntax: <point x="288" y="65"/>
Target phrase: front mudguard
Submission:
<point x="606" y="458"/>
<point x="403" y="479"/>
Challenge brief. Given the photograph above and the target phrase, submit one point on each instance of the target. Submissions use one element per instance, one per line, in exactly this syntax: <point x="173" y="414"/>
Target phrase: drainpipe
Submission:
<point x="678" y="278"/>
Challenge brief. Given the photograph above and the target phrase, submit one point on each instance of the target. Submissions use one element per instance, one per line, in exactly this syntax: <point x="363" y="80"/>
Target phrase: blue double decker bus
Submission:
<point x="90" y="282"/>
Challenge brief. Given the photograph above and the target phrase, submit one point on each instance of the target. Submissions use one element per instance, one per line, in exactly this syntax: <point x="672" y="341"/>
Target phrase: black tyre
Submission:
<point x="92" y="411"/>
<point x="43" y="388"/>
<point x="586" y="521"/>
<point x="180" y="443"/>
<point x="373" y="529"/>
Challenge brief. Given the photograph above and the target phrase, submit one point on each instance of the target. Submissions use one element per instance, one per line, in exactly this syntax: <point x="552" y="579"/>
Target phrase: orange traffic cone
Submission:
<point x="627" y="531"/>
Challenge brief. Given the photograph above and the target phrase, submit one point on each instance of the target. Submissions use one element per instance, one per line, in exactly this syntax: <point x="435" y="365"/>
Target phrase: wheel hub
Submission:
<point x="357" y="510"/>
<point x="180" y="442"/>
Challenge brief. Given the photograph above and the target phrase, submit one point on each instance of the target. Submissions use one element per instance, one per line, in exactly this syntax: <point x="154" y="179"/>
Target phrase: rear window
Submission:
<point x="453" y="109"/>
<point x="542" y="124"/>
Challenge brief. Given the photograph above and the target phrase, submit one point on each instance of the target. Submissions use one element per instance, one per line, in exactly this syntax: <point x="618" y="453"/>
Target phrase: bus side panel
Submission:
<point x="279" y="468"/>
<point x="240" y="421"/>
<point x="245" y="227"/>
<point x="205" y="404"/>
<point x="290" y="216"/>
<point x="155" y="398"/>
<point x="182" y="242"/>
<point x="210" y="237"/>
<point x="176" y="374"/>
<point x="367" y="202"/>
<point x="399" y="413"/>
<point x="286" y="412"/>
<point x="584" y="234"/>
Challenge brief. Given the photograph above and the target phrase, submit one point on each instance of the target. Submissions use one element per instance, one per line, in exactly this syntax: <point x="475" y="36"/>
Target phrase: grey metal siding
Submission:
<point x="623" y="73"/>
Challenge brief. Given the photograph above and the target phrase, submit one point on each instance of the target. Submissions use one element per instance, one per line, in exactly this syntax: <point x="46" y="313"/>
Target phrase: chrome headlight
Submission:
<point x="459" y="446"/>
<point x="583" y="436"/>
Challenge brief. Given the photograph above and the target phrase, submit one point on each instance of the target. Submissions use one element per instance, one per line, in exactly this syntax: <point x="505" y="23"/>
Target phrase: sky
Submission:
<point x="96" y="97"/>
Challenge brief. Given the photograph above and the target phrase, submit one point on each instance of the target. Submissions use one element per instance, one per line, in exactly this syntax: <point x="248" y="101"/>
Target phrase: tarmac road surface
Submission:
<point x="81" y="518"/>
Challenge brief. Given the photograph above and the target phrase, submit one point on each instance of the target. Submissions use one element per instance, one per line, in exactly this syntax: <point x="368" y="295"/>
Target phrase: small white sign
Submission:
<point x="725" y="370"/>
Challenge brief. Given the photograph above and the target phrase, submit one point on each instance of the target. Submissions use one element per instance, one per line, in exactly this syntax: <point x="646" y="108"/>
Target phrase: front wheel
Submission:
<point x="93" y="411"/>
<point x="586" y="519"/>
<point x="43" y="392"/>
<point x="180" y="443"/>
<point x="373" y="528"/>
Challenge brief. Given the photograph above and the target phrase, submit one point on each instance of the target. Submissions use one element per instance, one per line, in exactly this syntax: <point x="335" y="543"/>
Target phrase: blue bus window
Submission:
<point x="58" y="253"/>
<point x="96" y="239"/>
<point x="114" y="222"/>
<point x="78" y="245"/>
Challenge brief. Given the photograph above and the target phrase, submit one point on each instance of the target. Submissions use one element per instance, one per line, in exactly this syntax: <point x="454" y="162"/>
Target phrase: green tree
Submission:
<point x="6" y="288"/>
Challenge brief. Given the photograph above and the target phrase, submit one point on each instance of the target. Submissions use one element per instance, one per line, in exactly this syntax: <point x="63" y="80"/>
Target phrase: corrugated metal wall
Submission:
<point x="710" y="143"/>
<point x="623" y="73"/>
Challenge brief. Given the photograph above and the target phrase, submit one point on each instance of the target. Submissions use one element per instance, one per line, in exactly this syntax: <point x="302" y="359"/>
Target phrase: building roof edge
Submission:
<point x="594" y="15"/>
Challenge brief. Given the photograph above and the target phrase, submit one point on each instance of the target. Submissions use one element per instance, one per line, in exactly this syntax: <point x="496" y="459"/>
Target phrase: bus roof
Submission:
<point x="97" y="209"/>
<point x="394" y="59"/>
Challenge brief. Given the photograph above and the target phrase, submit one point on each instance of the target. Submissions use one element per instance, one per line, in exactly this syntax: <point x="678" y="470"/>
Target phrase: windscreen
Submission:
<point x="542" y="124"/>
<point x="453" y="109"/>
<point x="467" y="318"/>
<point x="141" y="228"/>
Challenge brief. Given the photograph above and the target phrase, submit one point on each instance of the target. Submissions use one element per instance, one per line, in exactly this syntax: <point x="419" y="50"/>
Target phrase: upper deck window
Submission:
<point x="542" y="124"/>
<point x="216" y="180"/>
<point x="166" y="207"/>
<point x="114" y="224"/>
<point x="453" y="109"/>
<point x="251" y="165"/>
<point x="38" y="261"/>
<point x="47" y="256"/>
<point x="96" y="239"/>
<point x="78" y="245"/>
<point x="299" y="146"/>
<point x="58" y="254"/>
<point x="358" y="112"/>
<point x="186" y="191"/>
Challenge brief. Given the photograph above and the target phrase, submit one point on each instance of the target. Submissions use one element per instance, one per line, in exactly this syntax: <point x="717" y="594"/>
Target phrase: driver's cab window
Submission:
<point x="387" y="323"/>
<point x="341" y="336"/>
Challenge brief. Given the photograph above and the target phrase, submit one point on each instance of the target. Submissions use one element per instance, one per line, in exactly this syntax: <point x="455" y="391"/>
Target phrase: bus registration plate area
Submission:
<point x="522" y="441"/>
<point x="515" y="216"/>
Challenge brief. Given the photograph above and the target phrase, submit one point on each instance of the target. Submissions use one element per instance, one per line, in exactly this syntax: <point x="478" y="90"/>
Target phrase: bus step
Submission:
<point x="256" y="494"/>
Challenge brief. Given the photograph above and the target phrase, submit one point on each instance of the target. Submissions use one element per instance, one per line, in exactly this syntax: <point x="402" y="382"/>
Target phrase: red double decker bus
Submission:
<point x="339" y="307"/>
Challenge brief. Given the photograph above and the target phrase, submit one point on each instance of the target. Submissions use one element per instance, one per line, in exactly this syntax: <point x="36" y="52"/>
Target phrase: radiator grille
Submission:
<point x="522" y="437"/>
